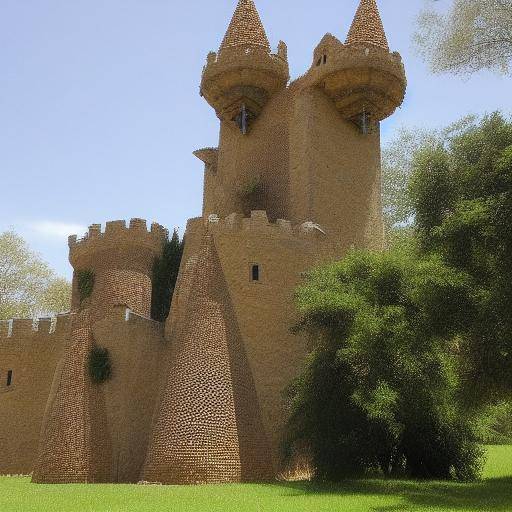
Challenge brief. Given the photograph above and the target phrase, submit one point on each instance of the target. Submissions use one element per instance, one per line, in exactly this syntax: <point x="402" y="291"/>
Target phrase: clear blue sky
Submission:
<point x="100" y="111"/>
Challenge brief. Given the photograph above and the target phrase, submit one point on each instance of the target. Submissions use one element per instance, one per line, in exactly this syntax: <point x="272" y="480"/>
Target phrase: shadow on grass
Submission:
<point x="493" y="494"/>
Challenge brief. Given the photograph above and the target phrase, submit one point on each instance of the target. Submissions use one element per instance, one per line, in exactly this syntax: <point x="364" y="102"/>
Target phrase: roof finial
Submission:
<point x="367" y="26"/>
<point x="245" y="28"/>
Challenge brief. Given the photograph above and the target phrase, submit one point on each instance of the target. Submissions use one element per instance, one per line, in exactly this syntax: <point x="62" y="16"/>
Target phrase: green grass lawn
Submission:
<point x="493" y="493"/>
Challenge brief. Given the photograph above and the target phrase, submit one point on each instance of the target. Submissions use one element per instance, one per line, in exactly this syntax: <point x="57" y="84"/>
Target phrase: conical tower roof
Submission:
<point x="367" y="26"/>
<point x="245" y="28"/>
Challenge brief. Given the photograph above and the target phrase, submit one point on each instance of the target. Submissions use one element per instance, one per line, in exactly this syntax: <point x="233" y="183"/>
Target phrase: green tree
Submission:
<point x="381" y="386"/>
<point x="397" y="166"/>
<point x="56" y="297"/>
<point x="165" y="275"/>
<point x="462" y="196"/>
<point x="28" y="287"/>
<point x="472" y="35"/>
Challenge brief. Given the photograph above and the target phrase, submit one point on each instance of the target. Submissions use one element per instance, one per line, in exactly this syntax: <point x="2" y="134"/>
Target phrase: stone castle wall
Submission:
<point x="255" y="318"/>
<point x="310" y="164"/>
<point x="31" y="352"/>
<point x="99" y="433"/>
<point x="208" y="425"/>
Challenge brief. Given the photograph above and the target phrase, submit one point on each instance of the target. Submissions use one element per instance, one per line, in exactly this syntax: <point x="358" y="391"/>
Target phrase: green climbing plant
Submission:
<point x="100" y="366"/>
<point x="85" y="281"/>
<point x="252" y="195"/>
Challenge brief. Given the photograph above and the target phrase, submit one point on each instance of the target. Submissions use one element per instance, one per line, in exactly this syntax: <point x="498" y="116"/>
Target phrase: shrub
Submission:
<point x="100" y="367"/>
<point x="380" y="391"/>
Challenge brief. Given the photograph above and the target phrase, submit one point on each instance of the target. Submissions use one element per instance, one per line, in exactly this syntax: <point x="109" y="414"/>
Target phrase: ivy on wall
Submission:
<point x="100" y="366"/>
<point x="165" y="274"/>
<point x="252" y="196"/>
<point x="85" y="282"/>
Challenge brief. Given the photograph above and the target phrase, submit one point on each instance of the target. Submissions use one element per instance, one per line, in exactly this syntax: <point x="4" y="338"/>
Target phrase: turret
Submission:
<point x="239" y="80"/>
<point x="115" y="267"/>
<point x="366" y="81"/>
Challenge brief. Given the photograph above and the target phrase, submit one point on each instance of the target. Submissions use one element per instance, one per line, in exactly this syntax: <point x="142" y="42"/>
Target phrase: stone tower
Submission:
<point x="295" y="182"/>
<point x="84" y="425"/>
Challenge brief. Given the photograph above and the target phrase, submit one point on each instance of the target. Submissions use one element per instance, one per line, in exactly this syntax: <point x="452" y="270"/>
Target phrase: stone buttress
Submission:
<point x="208" y="428"/>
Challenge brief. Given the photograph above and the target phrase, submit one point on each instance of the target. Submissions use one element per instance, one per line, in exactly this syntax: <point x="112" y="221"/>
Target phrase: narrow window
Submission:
<point x="9" y="377"/>
<point x="325" y="59"/>
<point x="255" y="273"/>
<point x="319" y="61"/>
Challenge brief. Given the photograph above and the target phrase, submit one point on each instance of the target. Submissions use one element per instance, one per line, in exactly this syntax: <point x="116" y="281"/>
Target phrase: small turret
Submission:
<point x="119" y="264"/>
<point x="366" y="81"/>
<point x="239" y="80"/>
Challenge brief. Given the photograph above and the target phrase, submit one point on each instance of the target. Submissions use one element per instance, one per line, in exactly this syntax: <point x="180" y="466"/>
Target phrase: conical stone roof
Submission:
<point x="245" y="28"/>
<point x="367" y="26"/>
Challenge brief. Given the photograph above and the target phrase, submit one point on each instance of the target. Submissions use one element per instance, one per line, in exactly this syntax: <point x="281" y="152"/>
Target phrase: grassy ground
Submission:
<point x="493" y="493"/>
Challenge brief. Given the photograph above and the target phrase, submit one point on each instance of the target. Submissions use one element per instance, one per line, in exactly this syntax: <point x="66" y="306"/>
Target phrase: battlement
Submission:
<point x="117" y="234"/>
<point x="250" y="57"/>
<point x="329" y="57"/>
<point x="361" y="79"/>
<point x="258" y="223"/>
<point x="22" y="329"/>
<point x="243" y="76"/>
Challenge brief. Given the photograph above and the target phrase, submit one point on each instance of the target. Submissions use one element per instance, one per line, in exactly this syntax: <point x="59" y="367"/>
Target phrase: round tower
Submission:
<point x="115" y="267"/>
<point x="364" y="79"/>
<point x="239" y="80"/>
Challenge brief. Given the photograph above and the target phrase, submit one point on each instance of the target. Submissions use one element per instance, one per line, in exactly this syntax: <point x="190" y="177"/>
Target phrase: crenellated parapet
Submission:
<point x="120" y="261"/>
<point x="258" y="222"/>
<point x="362" y="80"/>
<point x="116" y="234"/>
<point x="243" y="78"/>
<point x="25" y="329"/>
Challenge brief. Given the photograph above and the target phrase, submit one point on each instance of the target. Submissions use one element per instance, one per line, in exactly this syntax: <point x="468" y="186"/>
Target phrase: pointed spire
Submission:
<point x="367" y="26"/>
<point x="245" y="28"/>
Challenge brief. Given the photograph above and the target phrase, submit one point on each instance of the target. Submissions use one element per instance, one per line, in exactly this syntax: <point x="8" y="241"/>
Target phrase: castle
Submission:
<point x="294" y="182"/>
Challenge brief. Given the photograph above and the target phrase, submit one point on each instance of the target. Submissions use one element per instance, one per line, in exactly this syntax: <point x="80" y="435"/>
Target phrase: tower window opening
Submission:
<point x="319" y="61"/>
<point x="9" y="378"/>
<point x="255" y="273"/>
<point x="325" y="59"/>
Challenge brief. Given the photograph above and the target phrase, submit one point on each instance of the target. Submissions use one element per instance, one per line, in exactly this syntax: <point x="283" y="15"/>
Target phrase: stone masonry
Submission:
<point x="294" y="182"/>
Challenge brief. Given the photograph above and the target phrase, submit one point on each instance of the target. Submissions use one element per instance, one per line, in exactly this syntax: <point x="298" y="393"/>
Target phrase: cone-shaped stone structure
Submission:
<point x="209" y="428"/>
<point x="367" y="28"/>
<point x="245" y="28"/>
<point x="74" y="445"/>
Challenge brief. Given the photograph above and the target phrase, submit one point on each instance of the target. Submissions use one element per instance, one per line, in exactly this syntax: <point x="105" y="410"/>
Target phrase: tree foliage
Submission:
<point x="381" y="386"/>
<point x="165" y="275"/>
<point x="28" y="287"/>
<point x="462" y="195"/>
<point x="472" y="35"/>
<point x="397" y="165"/>
<point x="399" y="339"/>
